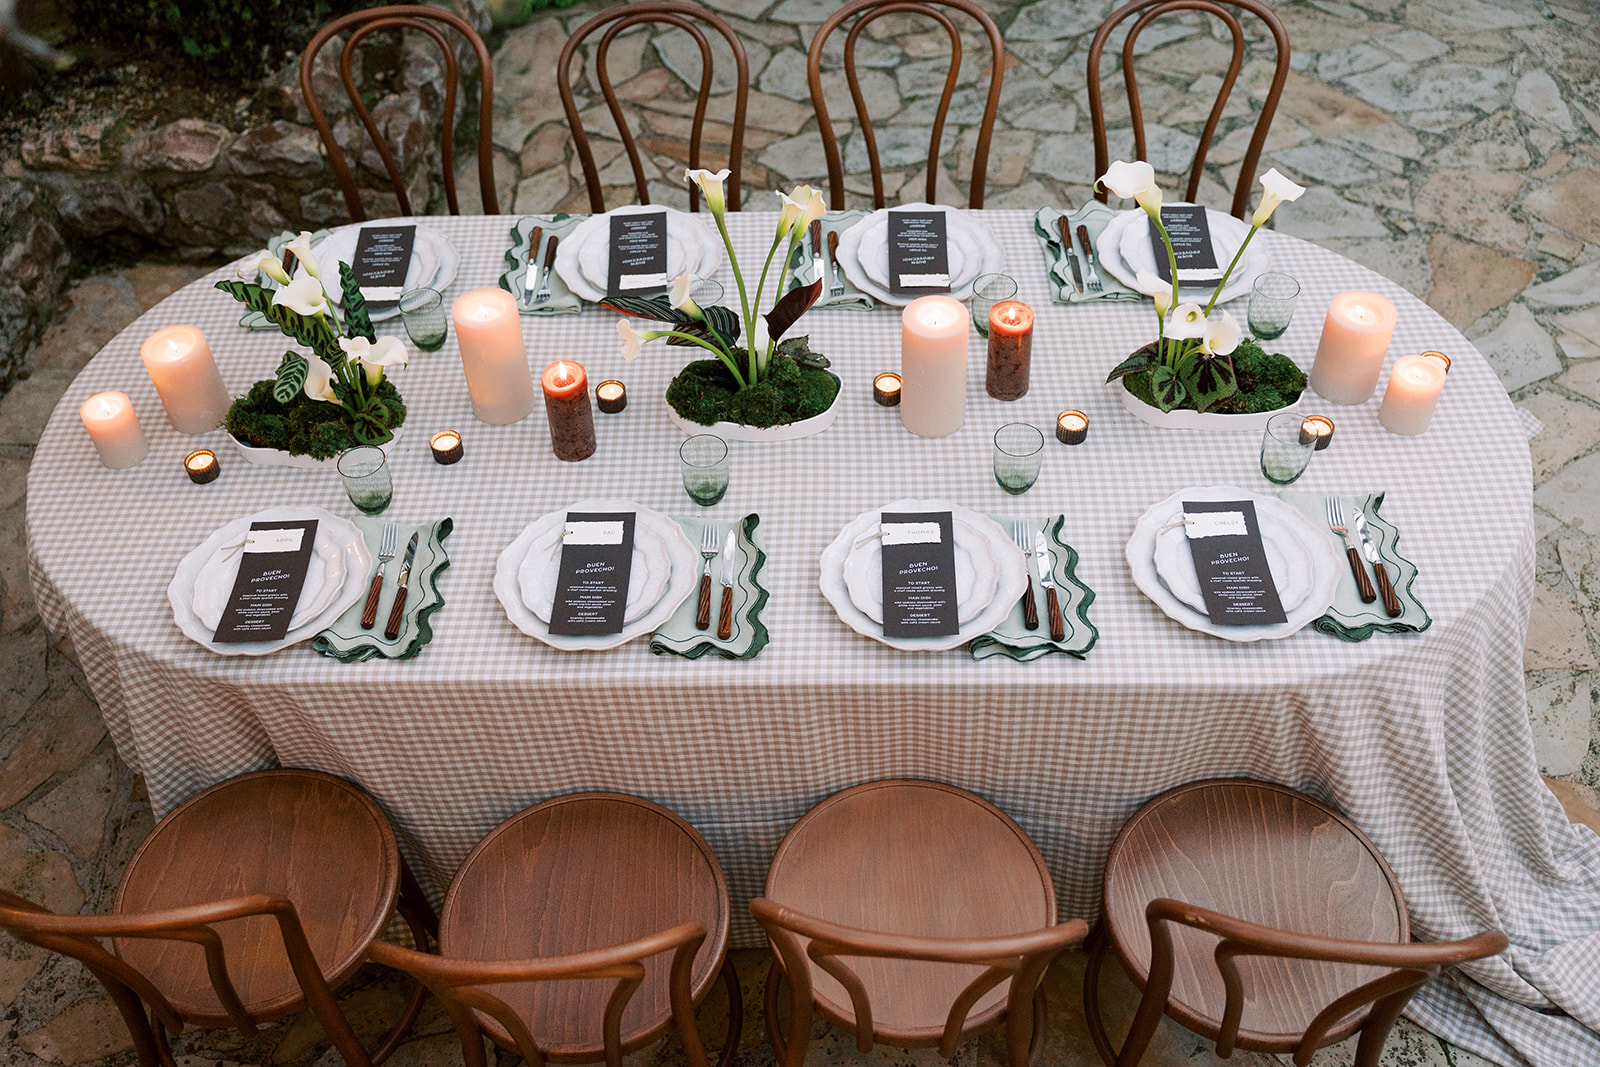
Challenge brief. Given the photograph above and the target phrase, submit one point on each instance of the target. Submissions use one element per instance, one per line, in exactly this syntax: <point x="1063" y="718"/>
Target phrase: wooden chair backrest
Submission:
<point x="870" y="10"/>
<point x="426" y="20"/>
<point x="1152" y="10"/>
<point x="669" y="12"/>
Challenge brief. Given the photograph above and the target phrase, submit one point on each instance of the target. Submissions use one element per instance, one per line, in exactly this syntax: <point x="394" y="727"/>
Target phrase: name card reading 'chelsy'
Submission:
<point x="1231" y="563"/>
<point x="919" y="574"/>
<point x="592" y="583"/>
<point x="919" y="254"/>
<point x="1190" y="232"/>
<point x="638" y="264"/>
<point x="382" y="261"/>
<point x="272" y="569"/>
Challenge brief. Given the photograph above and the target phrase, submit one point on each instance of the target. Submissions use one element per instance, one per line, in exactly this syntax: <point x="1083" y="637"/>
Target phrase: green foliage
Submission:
<point x="357" y="322"/>
<point x="705" y="392"/>
<point x="291" y="377"/>
<point x="1266" y="381"/>
<point x="311" y="331"/>
<point x="303" y="427"/>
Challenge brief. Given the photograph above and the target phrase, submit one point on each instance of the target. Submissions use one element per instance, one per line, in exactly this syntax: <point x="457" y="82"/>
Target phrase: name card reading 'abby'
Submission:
<point x="919" y="254"/>
<point x="273" y="562"/>
<point x="1231" y="562"/>
<point x="919" y="574"/>
<point x="592" y="583"/>
<point x="638" y="265"/>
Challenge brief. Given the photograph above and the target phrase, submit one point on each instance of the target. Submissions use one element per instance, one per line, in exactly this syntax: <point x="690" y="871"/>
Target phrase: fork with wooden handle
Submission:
<point x="386" y="546"/>
<point x="1092" y="279"/>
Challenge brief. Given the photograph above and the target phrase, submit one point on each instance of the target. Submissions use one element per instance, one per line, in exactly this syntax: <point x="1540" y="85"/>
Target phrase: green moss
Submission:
<point x="1267" y="381"/>
<point x="705" y="392"/>
<point x="302" y="427"/>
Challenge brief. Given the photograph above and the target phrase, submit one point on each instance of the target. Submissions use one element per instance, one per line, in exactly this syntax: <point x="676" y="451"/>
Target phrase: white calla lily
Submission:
<point x="631" y="339"/>
<point x="319" y="380"/>
<point x="267" y="264"/>
<point x="1276" y="190"/>
<point x="1135" y="181"/>
<point x="1188" y="320"/>
<point x="681" y="295"/>
<point x="1221" y="336"/>
<point x="375" y="356"/>
<point x="800" y="208"/>
<point x="304" y="294"/>
<point x="711" y="187"/>
<point x="301" y="247"/>
<point x="1150" y="282"/>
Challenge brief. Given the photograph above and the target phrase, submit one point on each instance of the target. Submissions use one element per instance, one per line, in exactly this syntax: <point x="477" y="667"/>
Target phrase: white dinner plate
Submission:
<point x="977" y="572"/>
<point x="981" y="253"/>
<point x="324" y="578"/>
<point x="434" y="261"/>
<point x="541" y="568"/>
<point x="588" y="248"/>
<point x="1287" y="560"/>
<point x="1123" y="248"/>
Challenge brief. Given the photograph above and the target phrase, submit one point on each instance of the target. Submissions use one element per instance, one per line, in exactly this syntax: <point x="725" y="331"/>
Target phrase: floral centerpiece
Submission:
<point x="334" y="398"/>
<point x="766" y="381"/>
<point x="1197" y="362"/>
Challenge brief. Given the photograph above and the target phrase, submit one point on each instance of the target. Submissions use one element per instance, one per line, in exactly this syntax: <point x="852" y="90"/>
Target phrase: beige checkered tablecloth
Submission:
<point x="1422" y="739"/>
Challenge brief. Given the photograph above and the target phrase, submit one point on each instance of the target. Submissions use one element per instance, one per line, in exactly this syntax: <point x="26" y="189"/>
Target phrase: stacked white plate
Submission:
<point x="434" y="261"/>
<point x="1304" y="561"/>
<point x="664" y="570"/>
<point x="583" y="259"/>
<point x="990" y="575"/>
<point x="337" y="577"/>
<point x="1123" y="249"/>
<point x="864" y="253"/>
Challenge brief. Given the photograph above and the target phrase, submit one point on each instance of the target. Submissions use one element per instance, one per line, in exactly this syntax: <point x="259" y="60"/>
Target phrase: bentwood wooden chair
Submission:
<point x="911" y="913"/>
<point x="685" y="17"/>
<point x="588" y="886"/>
<point x="869" y="11"/>
<point x="1261" y="919"/>
<point x="431" y="21"/>
<point x="252" y="901"/>
<point x="1150" y="10"/>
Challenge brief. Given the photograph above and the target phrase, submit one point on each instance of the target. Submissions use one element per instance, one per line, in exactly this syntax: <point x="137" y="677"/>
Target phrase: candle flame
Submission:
<point x="199" y="461"/>
<point x="1362" y="314"/>
<point x="563" y="376"/>
<point x="174" y="349"/>
<point x="107" y="408"/>
<point x="484" y="312"/>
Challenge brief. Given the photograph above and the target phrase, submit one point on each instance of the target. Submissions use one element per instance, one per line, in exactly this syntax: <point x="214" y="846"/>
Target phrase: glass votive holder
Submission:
<point x="1285" y="448"/>
<point x="987" y="291"/>
<point x="1072" y="427"/>
<point x="446" y="447"/>
<point x="703" y="461"/>
<point x="1018" y="454"/>
<point x="201" y="466"/>
<point x="706" y="291"/>
<point x="1272" y="301"/>
<point x="364" y="470"/>
<point x="886" y="389"/>
<point x="422" y="312"/>
<point x="611" y="396"/>
<point x="1320" y="429"/>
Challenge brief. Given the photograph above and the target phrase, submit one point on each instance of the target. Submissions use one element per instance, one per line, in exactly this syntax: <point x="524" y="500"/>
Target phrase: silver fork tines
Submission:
<point x="708" y="545"/>
<point x="387" y="544"/>
<point x="1335" y="510"/>
<point x="1092" y="278"/>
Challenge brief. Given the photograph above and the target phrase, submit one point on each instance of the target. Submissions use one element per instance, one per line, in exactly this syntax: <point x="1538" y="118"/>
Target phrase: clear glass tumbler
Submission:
<point x="364" y="470"/>
<point x="422" y="311"/>
<point x="1272" y="301"/>
<point x="1286" y="448"/>
<point x="987" y="291"/>
<point x="703" y="461"/>
<point x="1018" y="453"/>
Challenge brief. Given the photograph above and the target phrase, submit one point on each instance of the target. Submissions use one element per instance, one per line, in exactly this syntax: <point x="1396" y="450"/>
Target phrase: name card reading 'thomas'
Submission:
<point x="592" y="583"/>
<point x="272" y="569"/>
<point x="919" y="574"/>
<point x="1231" y="563"/>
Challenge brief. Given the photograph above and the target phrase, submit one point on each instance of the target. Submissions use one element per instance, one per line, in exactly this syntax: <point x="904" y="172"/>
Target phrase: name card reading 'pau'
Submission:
<point x="592" y="583"/>
<point x="919" y="253"/>
<point x="382" y="261"/>
<point x="1231" y="563"/>
<point x="919" y="574"/>
<point x="272" y="569"/>
<point x="1191" y="245"/>
<point x="638" y="255"/>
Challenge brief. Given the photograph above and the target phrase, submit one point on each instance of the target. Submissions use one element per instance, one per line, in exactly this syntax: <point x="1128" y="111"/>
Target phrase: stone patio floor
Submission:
<point x="1450" y="145"/>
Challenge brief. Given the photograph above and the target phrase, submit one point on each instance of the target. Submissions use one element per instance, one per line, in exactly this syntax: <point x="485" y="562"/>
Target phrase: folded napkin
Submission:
<point x="1349" y="619"/>
<point x="347" y="642"/>
<point x="514" y="280"/>
<point x="679" y="636"/>
<point x="1094" y="216"/>
<point x="800" y="265"/>
<point x="1013" y="639"/>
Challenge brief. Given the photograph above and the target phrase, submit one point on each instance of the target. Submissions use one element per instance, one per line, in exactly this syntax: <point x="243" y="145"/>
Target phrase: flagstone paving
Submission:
<point x="1452" y="145"/>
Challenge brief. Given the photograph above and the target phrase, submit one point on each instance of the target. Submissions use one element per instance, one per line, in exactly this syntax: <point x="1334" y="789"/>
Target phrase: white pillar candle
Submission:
<point x="179" y="362"/>
<point x="1355" y="339"/>
<point x="489" y="331"/>
<point x="114" y="429"/>
<point x="933" y="366"/>
<point x="1413" y="393"/>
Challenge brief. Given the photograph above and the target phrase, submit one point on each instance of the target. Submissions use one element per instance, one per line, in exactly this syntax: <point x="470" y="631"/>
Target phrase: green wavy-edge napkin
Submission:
<point x="346" y="640"/>
<point x="1094" y="216"/>
<point x="1349" y="619"/>
<point x="562" y="300"/>
<point x="852" y="299"/>
<point x="1013" y="639"/>
<point x="679" y="636"/>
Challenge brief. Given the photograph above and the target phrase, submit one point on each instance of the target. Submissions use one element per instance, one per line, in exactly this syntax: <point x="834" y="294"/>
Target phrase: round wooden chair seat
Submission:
<point x="1266" y="854"/>
<point x="582" y="872"/>
<point x="912" y="857"/>
<point x="304" y="835"/>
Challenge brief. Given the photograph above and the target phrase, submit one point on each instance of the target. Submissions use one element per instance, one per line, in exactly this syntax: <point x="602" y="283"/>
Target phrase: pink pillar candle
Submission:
<point x="179" y="362"/>
<point x="1413" y="393"/>
<point x="933" y="366"/>
<point x="1355" y="338"/>
<point x="114" y="429"/>
<point x="489" y="331"/>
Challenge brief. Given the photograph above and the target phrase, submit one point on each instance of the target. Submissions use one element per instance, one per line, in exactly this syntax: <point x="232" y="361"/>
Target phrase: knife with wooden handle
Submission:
<point x="1065" y="229"/>
<point x="1047" y="577"/>
<point x="833" y="257"/>
<point x="725" y="614"/>
<point x="397" y="613"/>
<point x="1391" y="600"/>
<point x="369" y="614"/>
<point x="531" y="275"/>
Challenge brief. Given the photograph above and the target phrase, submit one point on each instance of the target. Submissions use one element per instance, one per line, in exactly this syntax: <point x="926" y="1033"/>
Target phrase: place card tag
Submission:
<point x="1190" y="232"/>
<point x="919" y="252"/>
<point x="272" y="569"/>
<point x="919" y="574"/>
<point x="382" y="261"/>
<point x="638" y="255"/>
<point x="1231" y="562"/>
<point x="592" y="583"/>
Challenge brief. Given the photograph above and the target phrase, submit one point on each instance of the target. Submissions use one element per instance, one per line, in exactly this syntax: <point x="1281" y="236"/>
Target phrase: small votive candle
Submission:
<point x="178" y="360"/>
<point x="1355" y="339"/>
<point x="1010" y="349"/>
<point x="1440" y="357"/>
<point x="1413" y="393"/>
<point x="566" y="404"/>
<point x="1318" y="429"/>
<point x="612" y="396"/>
<point x="1072" y="427"/>
<point x="446" y="446"/>
<point x="201" y="465"/>
<point x="114" y="429"/>
<point x="886" y="389"/>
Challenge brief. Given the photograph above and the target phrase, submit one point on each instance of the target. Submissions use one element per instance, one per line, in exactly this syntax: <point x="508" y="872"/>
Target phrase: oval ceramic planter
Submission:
<point x="789" y="431"/>
<point x="277" y="457"/>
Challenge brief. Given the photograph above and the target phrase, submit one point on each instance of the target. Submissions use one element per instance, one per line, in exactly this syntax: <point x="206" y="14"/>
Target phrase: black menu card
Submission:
<point x="919" y="574"/>
<point x="592" y="584"/>
<point x="638" y="255"/>
<point x="382" y="261"/>
<point x="919" y="253"/>
<point x="1231" y="562"/>
<point x="1191" y="245"/>
<point x="272" y="569"/>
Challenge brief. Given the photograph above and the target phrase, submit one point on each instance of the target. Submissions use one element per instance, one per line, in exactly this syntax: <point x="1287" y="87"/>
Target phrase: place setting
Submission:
<point x="631" y="250"/>
<point x="818" y="258"/>
<point x="898" y="254"/>
<point x="531" y="277"/>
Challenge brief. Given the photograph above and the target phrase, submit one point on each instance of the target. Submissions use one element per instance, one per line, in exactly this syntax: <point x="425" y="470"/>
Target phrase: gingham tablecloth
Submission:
<point x="1422" y="739"/>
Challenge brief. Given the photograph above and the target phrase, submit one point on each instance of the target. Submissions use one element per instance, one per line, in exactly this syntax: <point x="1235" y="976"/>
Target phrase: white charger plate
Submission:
<point x="1325" y="560"/>
<point x="541" y="568"/>
<point x="701" y="252"/>
<point x="977" y="572"/>
<point x="325" y="575"/>
<point x="434" y="261"/>
<point x="1123" y="247"/>
<point x="1287" y="560"/>
<point x="872" y="232"/>
<point x="357" y="564"/>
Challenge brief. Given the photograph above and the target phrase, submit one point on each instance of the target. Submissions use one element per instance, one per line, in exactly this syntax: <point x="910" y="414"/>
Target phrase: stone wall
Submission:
<point x="33" y="269"/>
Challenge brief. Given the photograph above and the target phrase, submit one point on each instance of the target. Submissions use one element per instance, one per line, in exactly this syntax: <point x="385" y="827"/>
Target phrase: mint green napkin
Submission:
<point x="1349" y="619"/>
<point x="562" y="300"/>
<point x="1094" y="216"/>
<point x="679" y="636"/>
<point x="1013" y="639"/>
<point x="852" y="298"/>
<point x="346" y="640"/>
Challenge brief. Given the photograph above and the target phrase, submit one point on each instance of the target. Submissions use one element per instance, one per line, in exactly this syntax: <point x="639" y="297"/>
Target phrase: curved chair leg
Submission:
<point x="770" y="1004"/>
<point x="1036" y="1040"/>
<point x="1374" y="1033"/>
<point x="419" y="936"/>
<point x="730" y="1046"/>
